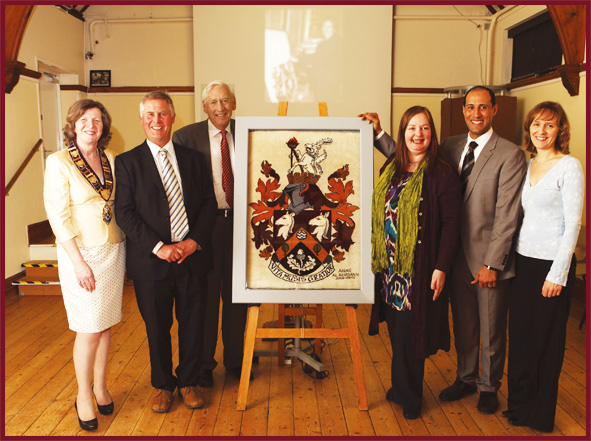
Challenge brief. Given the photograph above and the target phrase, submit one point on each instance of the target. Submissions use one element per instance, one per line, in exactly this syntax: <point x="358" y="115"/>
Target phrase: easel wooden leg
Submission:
<point x="356" y="357"/>
<point x="251" y="331"/>
<point x="282" y="108"/>
<point x="281" y="341"/>
<point x="318" y="341"/>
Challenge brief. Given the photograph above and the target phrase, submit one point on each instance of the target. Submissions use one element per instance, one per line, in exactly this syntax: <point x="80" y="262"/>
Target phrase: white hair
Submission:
<point x="213" y="84"/>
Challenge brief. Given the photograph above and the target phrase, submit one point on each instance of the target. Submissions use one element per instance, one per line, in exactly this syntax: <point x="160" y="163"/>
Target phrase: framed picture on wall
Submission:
<point x="302" y="210"/>
<point x="100" y="78"/>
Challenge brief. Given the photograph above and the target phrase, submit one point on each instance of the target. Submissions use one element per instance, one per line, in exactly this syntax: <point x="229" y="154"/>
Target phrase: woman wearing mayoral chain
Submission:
<point x="79" y="193"/>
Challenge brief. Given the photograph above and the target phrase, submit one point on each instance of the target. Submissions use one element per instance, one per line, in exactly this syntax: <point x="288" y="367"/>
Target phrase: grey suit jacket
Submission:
<point x="196" y="136"/>
<point x="492" y="202"/>
<point x="386" y="145"/>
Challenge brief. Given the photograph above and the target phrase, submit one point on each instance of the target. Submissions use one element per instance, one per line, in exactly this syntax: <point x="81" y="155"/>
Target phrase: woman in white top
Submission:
<point x="552" y="202"/>
<point x="79" y="193"/>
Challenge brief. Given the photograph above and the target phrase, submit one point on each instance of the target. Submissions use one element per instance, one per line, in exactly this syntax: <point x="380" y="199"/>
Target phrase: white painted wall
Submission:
<point x="142" y="52"/>
<point x="56" y="38"/>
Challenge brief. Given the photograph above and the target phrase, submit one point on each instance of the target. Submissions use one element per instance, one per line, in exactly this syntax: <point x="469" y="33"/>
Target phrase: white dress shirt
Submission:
<point x="481" y="141"/>
<point x="215" y="142"/>
<point x="155" y="150"/>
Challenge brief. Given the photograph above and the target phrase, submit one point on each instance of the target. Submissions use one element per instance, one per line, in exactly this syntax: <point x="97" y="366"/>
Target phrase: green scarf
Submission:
<point x="407" y="222"/>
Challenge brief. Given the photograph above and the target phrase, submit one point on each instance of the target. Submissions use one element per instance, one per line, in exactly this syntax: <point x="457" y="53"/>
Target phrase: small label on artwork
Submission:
<point x="345" y="274"/>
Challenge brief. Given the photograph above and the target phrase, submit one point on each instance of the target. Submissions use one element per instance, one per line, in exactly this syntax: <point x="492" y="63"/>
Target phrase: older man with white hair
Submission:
<point x="214" y="137"/>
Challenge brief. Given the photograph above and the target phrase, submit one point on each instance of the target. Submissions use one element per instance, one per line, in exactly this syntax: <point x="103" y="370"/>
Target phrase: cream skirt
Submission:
<point x="91" y="312"/>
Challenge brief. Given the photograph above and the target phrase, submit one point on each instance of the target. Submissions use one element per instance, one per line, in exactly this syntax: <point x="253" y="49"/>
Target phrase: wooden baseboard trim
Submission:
<point x="9" y="280"/>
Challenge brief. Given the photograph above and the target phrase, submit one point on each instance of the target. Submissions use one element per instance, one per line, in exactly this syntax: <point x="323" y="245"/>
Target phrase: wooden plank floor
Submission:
<point x="40" y="386"/>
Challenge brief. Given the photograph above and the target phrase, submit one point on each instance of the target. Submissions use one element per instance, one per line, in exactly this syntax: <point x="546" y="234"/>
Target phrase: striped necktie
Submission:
<point x="227" y="174"/>
<point x="178" y="216"/>
<point x="468" y="164"/>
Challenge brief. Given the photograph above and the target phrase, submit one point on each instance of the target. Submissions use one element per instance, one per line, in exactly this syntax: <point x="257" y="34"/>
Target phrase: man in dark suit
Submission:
<point x="492" y="178"/>
<point x="166" y="206"/>
<point x="213" y="137"/>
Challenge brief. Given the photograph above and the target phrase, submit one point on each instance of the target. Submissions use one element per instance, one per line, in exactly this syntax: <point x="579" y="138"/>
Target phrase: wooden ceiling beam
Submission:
<point x="569" y="21"/>
<point x="16" y="18"/>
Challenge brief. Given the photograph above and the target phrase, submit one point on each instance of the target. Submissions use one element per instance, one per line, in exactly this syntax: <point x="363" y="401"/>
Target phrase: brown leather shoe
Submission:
<point x="192" y="397"/>
<point x="162" y="401"/>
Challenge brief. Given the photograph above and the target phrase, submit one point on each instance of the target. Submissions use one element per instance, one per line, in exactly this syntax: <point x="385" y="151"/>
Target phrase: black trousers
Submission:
<point x="219" y="279"/>
<point x="184" y="292"/>
<point x="407" y="371"/>
<point x="537" y="339"/>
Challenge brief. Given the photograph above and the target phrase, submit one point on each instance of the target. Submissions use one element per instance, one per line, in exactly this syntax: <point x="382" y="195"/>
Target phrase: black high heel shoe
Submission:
<point x="90" y="425"/>
<point x="106" y="409"/>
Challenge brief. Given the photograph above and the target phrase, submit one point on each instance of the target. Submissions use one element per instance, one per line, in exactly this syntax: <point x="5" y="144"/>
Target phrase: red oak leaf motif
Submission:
<point x="262" y="209"/>
<point x="339" y="256"/>
<point x="261" y="212"/>
<point x="339" y="192"/>
<point x="266" y="168"/>
<point x="266" y="253"/>
<point x="344" y="213"/>
<point x="267" y="189"/>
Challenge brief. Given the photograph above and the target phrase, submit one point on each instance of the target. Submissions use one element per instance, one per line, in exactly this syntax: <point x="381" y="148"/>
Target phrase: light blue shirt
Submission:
<point x="552" y="212"/>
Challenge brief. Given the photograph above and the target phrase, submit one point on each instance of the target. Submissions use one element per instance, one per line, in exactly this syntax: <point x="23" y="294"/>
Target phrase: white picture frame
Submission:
<point x="310" y="249"/>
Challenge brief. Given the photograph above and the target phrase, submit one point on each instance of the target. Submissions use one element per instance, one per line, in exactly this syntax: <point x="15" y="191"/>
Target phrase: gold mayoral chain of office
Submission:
<point x="105" y="190"/>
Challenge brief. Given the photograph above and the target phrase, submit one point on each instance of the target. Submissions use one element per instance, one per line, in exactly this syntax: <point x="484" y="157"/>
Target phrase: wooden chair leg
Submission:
<point x="251" y="331"/>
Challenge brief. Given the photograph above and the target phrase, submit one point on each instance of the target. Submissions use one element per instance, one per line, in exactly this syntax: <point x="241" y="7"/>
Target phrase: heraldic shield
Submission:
<point x="306" y="248"/>
<point x="300" y="230"/>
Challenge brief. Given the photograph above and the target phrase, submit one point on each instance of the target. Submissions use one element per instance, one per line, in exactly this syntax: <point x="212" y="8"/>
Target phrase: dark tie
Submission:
<point x="468" y="164"/>
<point x="176" y="206"/>
<point x="227" y="175"/>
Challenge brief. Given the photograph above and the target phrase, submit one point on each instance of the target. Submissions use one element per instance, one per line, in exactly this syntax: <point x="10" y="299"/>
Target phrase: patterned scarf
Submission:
<point x="407" y="222"/>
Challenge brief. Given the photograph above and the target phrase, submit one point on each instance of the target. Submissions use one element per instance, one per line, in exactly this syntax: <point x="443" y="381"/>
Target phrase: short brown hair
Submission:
<point x="548" y="110"/>
<point x="76" y="111"/>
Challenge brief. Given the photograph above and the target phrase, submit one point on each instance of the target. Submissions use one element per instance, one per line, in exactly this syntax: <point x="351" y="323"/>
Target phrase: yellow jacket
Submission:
<point x="73" y="207"/>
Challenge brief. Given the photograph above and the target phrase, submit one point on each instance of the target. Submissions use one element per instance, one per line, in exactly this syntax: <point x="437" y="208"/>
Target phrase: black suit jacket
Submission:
<point x="196" y="136"/>
<point x="142" y="210"/>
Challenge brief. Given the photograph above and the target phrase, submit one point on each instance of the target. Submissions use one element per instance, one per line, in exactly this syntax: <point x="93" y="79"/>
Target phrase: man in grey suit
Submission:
<point x="210" y="137"/>
<point x="492" y="171"/>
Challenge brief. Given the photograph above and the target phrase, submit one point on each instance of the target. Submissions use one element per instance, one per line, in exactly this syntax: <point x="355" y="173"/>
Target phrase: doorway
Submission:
<point x="50" y="104"/>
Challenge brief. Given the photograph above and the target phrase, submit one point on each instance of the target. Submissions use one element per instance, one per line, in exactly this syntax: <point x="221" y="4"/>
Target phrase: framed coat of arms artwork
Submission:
<point x="302" y="210"/>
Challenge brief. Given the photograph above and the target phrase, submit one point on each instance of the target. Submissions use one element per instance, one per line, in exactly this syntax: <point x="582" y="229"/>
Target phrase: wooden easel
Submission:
<point x="253" y="332"/>
<point x="284" y="310"/>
